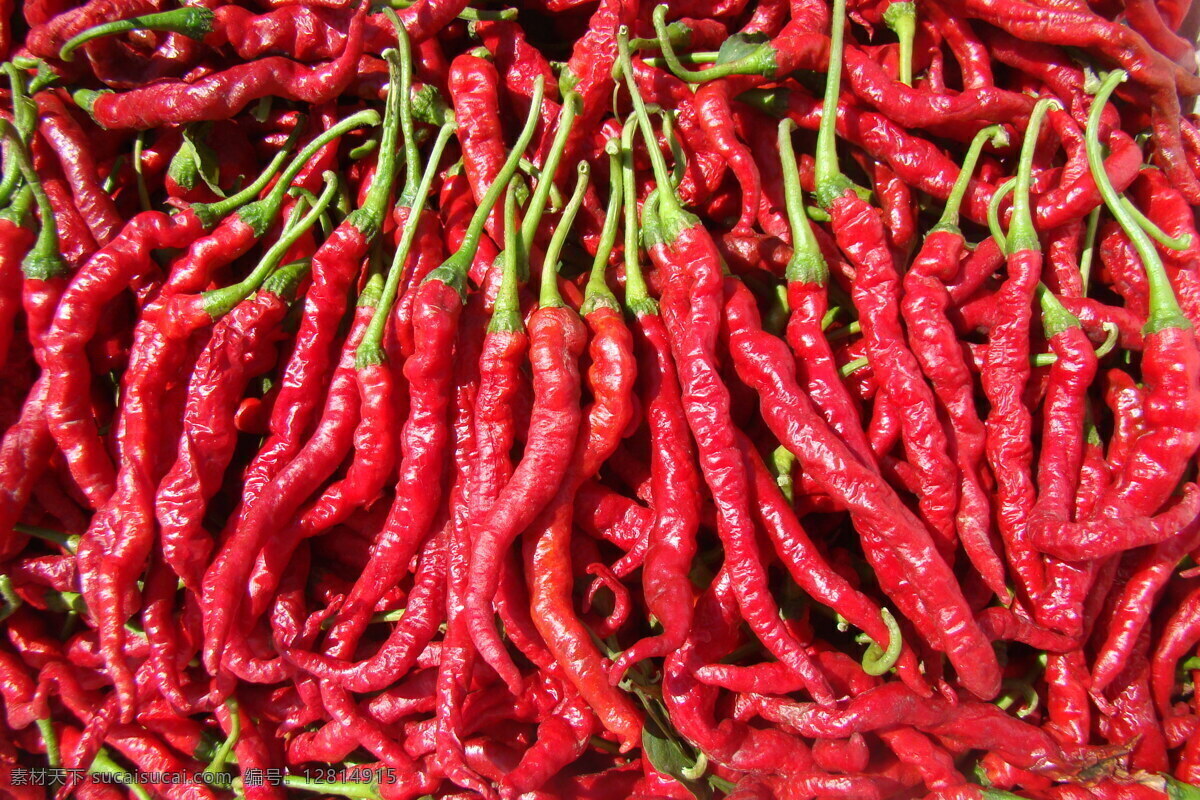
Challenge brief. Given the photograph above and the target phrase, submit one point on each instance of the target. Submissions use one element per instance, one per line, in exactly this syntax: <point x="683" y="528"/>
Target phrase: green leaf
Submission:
<point x="739" y="46"/>
<point x="667" y="755"/>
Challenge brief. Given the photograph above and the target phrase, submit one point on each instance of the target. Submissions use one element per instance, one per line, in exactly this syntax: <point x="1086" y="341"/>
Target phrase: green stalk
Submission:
<point x="1164" y="310"/>
<point x="949" y="221"/>
<point x="412" y="154"/>
<point x="901" y="17"/>
<point x="807" y="264"/>
<point x="217" y="764"/>
<point x="1089" y="249"/>
<point x="103" y="763"/>
<point x="370" y="349"/>
<point x="993" y="212"/>
<point x="194" y="22"/>
<point x="50" y="740"/>
<point x="671" y="215"/>
<point x="851" y="367"/>
<point x="550" y="297"/>
<point x="831" y="183"/>
<point x="597" y="293"/>
<point x="259" y="214"/>
<point x="545" y="182"/>
<point x="1156" y="233"/>
<point x="453" y="270"/>
<point x="760" y="61"/>
<point x="877" y="660"/>
<point x="1022" y="235"/>
<point x="369" y="218"/>
<point x="218" y="302"/>
<point x="637" y="295"/>
<point x="506" y="313"/>
<point x="43" y="261"/>
<point x="1055" y="317"/>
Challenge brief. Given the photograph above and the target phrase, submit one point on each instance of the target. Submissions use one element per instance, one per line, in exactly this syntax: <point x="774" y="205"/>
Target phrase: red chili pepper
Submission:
<point x="671" y="543"/>
<point x="1171" y="371"/>
<point x="223" y="94"/>
<point x="425" y="439"/>
<point x="69" y="142"/>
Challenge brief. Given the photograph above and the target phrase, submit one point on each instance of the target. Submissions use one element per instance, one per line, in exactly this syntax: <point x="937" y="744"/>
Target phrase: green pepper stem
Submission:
<point x="550" y="296"/>
<point x="671" y="212"/>
<point x="597" y="293"/>
<point x="25" y="113"/>
<point x="355" y="791"/>
<point x="1055" y="317"/>
<point x="1156" y="233"/>
<point x="370" y="349"/>
<point x="901" y="17"/>
<point x="1164" y="309"/>
<point x="545" y="182"/>
<point x="993" y="212"/>
<point x="218" y="302"/>
<point x="1089" y="249"/>
<point x="506" y="313"/>
<point x="1022" y="235"/>
<point x="851" y="367"/>
<point x="470" y="242"/>
<point x="831" y="183"/>
<point x="807" y="264"/>
<point x="194" y="22"/>
<point x="43" y="261"/>
<point x="217" y="764"/>
<point x="139" y="143"/>
<point x="260" y="213"/>
<point x="369" y="217"/>
<point x="679" y="167"/>
<point x="103" y="763"/>
<point x="949" y="221"/>
<point x="877" y="660"/>
<point x="637" y="296"/>
<point x="760" y="61"/>
<point x="50" y="741"/>
<point x="412" y="155"/>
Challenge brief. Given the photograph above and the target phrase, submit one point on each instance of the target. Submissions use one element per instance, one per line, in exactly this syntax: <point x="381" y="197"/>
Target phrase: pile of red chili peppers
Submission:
<point x="762" y="399"/>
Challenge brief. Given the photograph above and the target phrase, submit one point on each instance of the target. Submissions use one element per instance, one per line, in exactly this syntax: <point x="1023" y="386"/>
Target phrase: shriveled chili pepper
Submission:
<point x="334" y="266"/>
<point x="1171" y="370"/>
<point x="225" y="93"/>
<point x="934" y="344"/>
<point x="424" y="440"/>
<point x="1006" y="372"/>
<point x="692" y="303"/>
<point x="672" y="537"/>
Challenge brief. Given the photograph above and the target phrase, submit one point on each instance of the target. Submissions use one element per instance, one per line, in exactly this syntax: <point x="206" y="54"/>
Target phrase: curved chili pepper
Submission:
<point x="225" y="93"/>
<point x="671" y="543"/>
<point x="424" y="440"/>
<point x="1171" y="371"/>
<point x="692" y="303"/>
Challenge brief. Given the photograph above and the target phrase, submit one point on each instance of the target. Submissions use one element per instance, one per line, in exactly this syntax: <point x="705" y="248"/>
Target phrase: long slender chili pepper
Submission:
<point x="374" y="449"/>
<point x="1061" y="457"/>
<point x="206" y="445"/>
<point x="1171" y="371"/>
<point x="675" y="484"/>
<point x="692" y="303"/>
<point x="547" y="550"/>
<point x="225" y="93"/>
<point x="1009" y="423"/>
<point x="503" y="351"/>
<point x="891" y="534"/>
<point x="555" y="341"/>
<point x="424" y="437"/>
<point x="334" y="266"/>
<point x="924" y="305"/>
